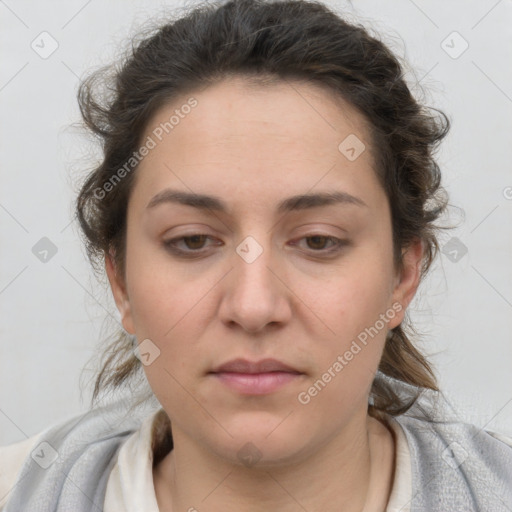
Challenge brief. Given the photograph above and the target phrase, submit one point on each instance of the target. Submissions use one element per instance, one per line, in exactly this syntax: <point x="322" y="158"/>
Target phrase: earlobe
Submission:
<point x="118" y="288"/>
<point x="408" y="279"/>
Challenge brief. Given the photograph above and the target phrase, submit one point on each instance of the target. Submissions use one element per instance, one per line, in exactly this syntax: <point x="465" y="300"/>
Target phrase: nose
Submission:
<point x="255" y="296"/>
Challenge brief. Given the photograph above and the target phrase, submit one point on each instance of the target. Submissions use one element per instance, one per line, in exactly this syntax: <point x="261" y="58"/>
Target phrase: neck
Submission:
<point x="352" y="472"/>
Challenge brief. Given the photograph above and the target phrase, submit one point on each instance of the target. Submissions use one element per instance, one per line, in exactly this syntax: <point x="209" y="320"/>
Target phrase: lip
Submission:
<point x="263" y="366"/>
<point x="255" y="378"/>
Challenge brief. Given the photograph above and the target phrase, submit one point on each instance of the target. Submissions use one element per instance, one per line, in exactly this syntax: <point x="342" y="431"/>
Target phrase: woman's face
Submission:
<point x="257" y="275"/>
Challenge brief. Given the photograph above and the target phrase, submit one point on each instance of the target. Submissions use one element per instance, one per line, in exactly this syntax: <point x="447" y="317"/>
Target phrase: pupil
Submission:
<point x="316" y="239"/>
<point x="196" y="239"/>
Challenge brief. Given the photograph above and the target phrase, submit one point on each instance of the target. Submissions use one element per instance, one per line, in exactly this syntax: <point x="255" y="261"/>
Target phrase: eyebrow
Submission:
<point x="293" y="203"/>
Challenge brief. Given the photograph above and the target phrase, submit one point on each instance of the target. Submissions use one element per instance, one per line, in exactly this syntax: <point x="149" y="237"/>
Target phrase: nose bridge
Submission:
<point x="252" y="262"/>
<point x="255" y="296"/>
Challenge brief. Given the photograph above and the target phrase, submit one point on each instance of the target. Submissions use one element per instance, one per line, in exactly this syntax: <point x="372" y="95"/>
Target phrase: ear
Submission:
<point x="407" y="280"/>
<point x="118" y="288"/>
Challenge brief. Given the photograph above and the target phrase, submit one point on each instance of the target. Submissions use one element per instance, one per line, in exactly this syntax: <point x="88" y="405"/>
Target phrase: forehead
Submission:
<point x="237" y="107"/>
<point x="264" y="140"/>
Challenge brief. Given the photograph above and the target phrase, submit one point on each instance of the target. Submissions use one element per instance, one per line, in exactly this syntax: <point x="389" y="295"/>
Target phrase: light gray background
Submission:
<point x="52" y="314"/>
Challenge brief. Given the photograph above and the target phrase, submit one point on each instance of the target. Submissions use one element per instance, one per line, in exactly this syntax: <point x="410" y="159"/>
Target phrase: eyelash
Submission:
<point x="170" y="245"/>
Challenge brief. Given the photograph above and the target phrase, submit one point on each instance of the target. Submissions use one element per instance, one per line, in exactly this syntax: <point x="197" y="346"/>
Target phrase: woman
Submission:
<point x="265" y="211"/>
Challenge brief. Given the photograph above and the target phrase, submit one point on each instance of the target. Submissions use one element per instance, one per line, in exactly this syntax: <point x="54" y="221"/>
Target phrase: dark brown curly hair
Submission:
<point x="265" y="42"/>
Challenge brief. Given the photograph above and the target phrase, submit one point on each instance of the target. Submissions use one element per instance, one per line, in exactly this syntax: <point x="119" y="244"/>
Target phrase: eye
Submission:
<point x="317" y="243"/>
<point x="194" y="244"/>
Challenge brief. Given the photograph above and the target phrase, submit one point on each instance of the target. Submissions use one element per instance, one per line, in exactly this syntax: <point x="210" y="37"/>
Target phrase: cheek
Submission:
<point x="349" y="357"/>
<point x="356" y="307"/>
<point x="169" y="312"/>
<point x="160" y="295"/>
<point x="170" y="307"/>
<point x="356" y="296"/>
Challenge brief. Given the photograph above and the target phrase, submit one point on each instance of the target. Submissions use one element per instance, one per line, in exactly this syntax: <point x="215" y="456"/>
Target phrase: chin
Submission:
<point x="263" y="442"/>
